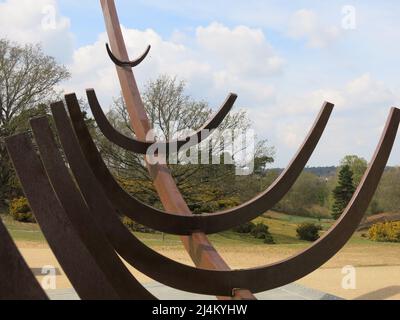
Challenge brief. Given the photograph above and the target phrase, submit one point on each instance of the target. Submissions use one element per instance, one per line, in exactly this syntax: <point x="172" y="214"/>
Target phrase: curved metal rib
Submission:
<point x="256" y="279"/>
<point x="130" y="64"/>
<point x="17" y="281"/>
<point x="175" y="223"/>
<point x="104" y="215"/>
<point x="141" y="147"/>
<point x="83" y="255"/>
<point x="78" y="213"/>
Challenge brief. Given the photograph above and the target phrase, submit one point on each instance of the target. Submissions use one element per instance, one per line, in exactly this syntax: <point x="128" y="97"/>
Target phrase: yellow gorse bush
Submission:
<point x="385" y="232"/>
<point x="20" y="210"/>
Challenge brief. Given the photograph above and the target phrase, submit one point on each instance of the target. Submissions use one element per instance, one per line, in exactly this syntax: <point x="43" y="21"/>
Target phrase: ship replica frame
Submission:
<point x="78" y="203"/>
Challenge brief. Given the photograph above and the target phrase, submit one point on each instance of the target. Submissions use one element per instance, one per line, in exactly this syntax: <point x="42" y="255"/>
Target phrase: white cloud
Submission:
<point x="366" y="91"/>
<point x="37" y="21"/>
<point x="91" y="66"/>
<point x="361" y="93"/>
<point x="221" y="60"/>
<point x="304" y="24"/>
<point x="241" y="50"/>
<point x="361" y="108"/>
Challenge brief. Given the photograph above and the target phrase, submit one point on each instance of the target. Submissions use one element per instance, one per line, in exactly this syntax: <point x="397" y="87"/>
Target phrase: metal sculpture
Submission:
<point x="77" y="232"/>
<point x="175" y="223"/>
<point x="78" y="205"/>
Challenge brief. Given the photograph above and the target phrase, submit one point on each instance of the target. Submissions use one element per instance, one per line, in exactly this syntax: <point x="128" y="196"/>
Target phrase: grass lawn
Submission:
<point x="242" y="250"/>
<point x="26" y="232"/>
<point x="282" y="227"/>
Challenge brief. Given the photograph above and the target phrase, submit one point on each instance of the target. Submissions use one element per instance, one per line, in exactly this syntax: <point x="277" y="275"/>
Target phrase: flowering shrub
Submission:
<point x="385" y="232"/>
<point x="20" y="210"/>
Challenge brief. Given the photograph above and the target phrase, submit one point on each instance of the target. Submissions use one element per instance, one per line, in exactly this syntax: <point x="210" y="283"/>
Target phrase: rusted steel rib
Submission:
<point x="258" y="279"/>
<point x="131" y="249"/>
<point x="183" y="225"/>
<point x="129" y="64"/>
<point x="141" y="147"/>
<point x="17" y="281"/>
<point x="266" y="277"/>
<point x="78" y="213"/>
<point x="83" y="268"/>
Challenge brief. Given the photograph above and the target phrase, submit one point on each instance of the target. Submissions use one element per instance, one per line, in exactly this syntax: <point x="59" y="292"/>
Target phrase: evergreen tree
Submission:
<point x="343" y="192"/>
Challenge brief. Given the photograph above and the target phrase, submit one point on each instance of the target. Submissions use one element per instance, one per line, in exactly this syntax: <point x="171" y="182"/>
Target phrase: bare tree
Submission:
<point x="171" y="112"/>
<point x="27" y="81"/>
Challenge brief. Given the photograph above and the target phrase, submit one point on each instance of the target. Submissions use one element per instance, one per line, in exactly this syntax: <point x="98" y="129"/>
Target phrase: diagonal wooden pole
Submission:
<point x="201" y="251"/>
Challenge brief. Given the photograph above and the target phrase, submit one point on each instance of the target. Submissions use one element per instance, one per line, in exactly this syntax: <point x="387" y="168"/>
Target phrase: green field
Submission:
<point x="22" y="231"/>
<point x="282" y="227"/>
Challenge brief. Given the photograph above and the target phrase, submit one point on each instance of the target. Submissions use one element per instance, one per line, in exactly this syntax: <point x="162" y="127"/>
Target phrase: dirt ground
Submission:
<point x="377" y="268"/>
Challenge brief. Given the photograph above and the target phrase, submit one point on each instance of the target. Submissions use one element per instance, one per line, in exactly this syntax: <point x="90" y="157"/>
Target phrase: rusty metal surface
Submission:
<point x="77" y="211"/>
<point x="141" y="147"/>
<point x="287" y="271"/>
<point x="256" y="279"/>
<point x="131" y="249"/>
<point x="81" y="267"/>
<point x="197" y="245"/>
<point x="184" y="225"/>
<point x="129" y="64"/>
<point x="17" y="281"/>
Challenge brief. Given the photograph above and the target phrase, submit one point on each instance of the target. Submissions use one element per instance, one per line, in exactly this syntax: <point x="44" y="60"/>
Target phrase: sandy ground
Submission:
<point x="377" y="269"/>
<point x="372" y="283"/>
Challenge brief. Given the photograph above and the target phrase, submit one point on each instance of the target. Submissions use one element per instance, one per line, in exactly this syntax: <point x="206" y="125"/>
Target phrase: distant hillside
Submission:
<point x="328" y="171"/>
<point x="325" y="172"/>
<point x="378" y="218"/>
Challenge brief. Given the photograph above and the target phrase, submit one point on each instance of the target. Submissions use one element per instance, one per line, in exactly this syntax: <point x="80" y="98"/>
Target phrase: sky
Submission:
<point x="283" y="58"/>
